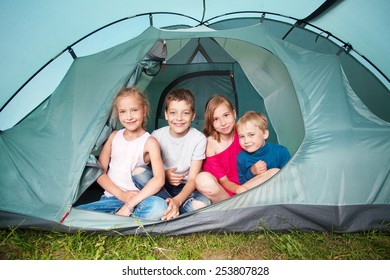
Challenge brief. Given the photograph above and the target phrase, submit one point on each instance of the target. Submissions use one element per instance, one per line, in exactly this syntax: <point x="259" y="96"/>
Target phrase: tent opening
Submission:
<point x="203" y="86"/>
<point x="233" y="76"/>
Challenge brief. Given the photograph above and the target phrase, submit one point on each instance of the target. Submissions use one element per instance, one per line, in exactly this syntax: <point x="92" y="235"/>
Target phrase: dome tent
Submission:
<point x="302" y="81"/>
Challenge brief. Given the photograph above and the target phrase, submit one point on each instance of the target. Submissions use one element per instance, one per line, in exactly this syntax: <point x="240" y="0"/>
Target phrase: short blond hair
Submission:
<point x="255" y="118"/>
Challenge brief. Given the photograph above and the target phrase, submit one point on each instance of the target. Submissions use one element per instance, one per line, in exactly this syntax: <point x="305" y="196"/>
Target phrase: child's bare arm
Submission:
<point x="155" y="184"/>
<point x="104" y="181"/>
<point x="259" y="179"/>
<point x="231" y="186"/>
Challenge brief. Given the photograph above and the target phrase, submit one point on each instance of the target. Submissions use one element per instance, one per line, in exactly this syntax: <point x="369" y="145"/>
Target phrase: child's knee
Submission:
<point x="196" y="204"/>
<point x="203" y="180"/>
<point x="138" y="170"/>
<point x="141" y="176"/>
<point x="151" y="208"/>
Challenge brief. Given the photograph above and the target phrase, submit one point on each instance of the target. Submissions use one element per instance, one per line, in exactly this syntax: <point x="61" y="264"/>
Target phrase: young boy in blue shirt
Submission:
<point x="259" y="159"/>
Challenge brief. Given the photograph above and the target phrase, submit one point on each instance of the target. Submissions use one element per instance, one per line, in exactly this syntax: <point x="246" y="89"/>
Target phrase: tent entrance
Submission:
<point x="203" y="85"/>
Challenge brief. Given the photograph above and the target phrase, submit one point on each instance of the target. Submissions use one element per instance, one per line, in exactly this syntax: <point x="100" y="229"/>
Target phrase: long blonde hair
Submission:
<point x="133" y="91"/>
<point x="211" y="105"/>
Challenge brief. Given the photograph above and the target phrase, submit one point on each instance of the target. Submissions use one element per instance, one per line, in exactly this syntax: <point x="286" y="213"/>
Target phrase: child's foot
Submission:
<point x="124" y="211"/>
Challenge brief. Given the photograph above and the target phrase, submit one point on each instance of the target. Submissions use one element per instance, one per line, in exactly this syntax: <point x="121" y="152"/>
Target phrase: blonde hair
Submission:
<point x="255" y="118"/>
<point x="133" y="91"/>
<point x="211" y="105"/>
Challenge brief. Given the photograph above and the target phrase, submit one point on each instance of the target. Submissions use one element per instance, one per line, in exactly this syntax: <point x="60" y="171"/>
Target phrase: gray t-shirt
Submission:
<point x="179" y="152"/>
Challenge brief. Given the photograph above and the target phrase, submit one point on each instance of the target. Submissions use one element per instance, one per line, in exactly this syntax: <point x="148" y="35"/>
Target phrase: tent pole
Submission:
<point x="151" y="19"/>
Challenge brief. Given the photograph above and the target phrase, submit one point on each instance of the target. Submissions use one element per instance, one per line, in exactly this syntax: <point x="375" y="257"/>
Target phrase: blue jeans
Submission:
<point x="151" y="208"/>
<point x="169" y="191"/>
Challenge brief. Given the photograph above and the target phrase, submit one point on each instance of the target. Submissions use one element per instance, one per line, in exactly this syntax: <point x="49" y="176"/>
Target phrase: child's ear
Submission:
<point x="166" y="115"/>
<point x="234" y="114"/>
<point x="266" y="134"/>
<point x="193" y="117"/>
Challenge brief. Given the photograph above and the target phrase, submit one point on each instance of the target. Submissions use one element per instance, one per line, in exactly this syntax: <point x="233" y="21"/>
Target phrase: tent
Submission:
<point x="326" y="99"/>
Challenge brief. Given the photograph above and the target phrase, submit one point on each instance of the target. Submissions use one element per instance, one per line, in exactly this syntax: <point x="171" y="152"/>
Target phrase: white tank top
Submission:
<point x="125" y="157"/>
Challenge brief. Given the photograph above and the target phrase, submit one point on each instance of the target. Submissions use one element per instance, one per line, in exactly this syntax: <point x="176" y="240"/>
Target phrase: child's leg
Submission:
<point x="142" y="175"/>
<point x="195" y="201"/>
<point x="151" y="208"/>
<point x="208" y="185"/>
<point x="105" y="204"/>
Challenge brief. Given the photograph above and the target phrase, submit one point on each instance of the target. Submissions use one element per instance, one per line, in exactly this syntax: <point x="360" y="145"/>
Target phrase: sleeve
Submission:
<point x="284" y="157"/>
<point x="214" y="166"/>
<point x="157" y="134"/>
<point x="200" y="148"/>
<point x="244" y="173"/>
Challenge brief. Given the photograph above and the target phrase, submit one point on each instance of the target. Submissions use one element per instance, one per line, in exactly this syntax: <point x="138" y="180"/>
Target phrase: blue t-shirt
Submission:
<point x="274" y="155"/>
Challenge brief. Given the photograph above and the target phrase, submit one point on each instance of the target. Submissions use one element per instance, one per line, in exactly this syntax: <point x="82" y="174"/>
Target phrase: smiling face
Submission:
<point x="224" y="119"/>
<point x="179" y="115"/>
<point x="251" y="137"/>
<point x="130" y="112"/>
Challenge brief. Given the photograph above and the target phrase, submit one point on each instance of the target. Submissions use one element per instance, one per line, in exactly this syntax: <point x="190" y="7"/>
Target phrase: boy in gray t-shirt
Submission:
<point x="182" y="150"/>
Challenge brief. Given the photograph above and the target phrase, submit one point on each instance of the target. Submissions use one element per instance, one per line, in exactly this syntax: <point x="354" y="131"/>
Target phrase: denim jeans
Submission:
<point x="151" y="208"/>
<point x="169" y="191"/>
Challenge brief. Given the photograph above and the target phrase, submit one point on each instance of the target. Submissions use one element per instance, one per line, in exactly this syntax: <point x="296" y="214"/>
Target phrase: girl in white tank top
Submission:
<point x="125" y="151"/>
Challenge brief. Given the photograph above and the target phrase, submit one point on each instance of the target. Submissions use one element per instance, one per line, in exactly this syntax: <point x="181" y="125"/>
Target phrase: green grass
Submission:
<point x="20" y="244"/>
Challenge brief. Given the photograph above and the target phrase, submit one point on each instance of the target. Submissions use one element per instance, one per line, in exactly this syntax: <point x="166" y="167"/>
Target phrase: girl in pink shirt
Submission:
<point x="220" y="177"/>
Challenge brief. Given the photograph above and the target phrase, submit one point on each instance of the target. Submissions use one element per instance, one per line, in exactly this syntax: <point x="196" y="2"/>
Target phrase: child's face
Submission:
<point x="179" y="116"/>
<point x="251" y="137"/>
<point x="224" y="119"/>
<point x="130" y="112"/>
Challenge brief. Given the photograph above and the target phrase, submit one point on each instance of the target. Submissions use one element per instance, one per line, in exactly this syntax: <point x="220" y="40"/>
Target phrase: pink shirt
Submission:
<point x="225" y="163"/>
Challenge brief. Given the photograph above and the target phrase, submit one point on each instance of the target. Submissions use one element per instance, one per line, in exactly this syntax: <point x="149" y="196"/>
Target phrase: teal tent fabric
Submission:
<point x="337" y="179"/>
<point x="25" y="48"/>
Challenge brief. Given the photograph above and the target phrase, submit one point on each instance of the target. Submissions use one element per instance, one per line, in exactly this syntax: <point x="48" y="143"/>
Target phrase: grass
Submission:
<point x="22" y="244"/>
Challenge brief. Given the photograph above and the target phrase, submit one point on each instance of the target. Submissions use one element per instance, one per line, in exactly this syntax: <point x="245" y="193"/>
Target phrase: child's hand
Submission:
<point x="172" y="210"/>
<point x="128" y="195"/>
<point x="173" y="178"/>
<point x="259" y="167"/>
